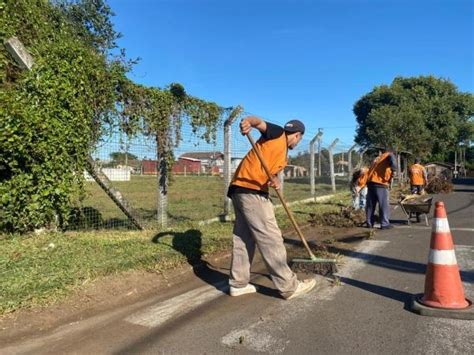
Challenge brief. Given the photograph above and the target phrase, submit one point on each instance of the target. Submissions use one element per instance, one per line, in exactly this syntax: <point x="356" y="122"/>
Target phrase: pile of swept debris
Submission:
<point x="345" y="217"/>
<point x="438" y="185"/>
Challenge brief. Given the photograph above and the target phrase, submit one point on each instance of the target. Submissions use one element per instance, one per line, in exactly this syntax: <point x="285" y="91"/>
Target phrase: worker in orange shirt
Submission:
<point x="378" y="180"/>
<point x="418" y="178"/>
<point x="359" y="188"/>
<point x="255" y="224"/>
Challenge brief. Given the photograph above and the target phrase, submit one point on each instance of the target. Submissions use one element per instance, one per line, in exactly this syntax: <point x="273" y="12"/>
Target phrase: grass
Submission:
<point x="41" y="269"/>
<point x="38" y="270"/>
<point x="191" y="198"/>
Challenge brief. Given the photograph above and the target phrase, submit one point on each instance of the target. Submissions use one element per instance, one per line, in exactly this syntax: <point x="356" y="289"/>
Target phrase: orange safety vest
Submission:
<point x="380" y="171"/>
<point x="417" y="176"/>
<point x="250" y="173"/>
<point x="362" y="180"/>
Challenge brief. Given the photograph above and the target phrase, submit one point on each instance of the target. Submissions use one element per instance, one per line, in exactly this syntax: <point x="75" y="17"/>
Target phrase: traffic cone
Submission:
<point x="443" y="286"/>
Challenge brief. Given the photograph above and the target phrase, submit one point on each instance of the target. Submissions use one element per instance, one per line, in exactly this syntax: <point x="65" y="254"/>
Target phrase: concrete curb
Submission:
<point x="419" y="308"/>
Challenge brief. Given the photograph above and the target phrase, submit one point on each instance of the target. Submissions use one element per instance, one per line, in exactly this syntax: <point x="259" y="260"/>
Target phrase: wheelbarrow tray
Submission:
<point x="417" y="207"/>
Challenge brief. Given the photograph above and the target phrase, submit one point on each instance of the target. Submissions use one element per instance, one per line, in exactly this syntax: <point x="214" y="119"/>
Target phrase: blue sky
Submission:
<point x="295" y="59"/>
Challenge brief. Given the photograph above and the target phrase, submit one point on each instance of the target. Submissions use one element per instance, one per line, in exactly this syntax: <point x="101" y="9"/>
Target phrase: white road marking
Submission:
<point x="267" y="335"/>
<point x="158" y="314"/>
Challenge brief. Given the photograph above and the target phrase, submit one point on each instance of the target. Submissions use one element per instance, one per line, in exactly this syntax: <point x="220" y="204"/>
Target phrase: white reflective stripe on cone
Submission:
<point x="441" y="225"/>
<point x="442" y="257"/>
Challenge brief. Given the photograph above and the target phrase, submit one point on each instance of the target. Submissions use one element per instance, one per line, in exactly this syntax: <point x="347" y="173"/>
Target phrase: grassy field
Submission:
<point x="41" y="269"/>
<point x="191" y="198"/>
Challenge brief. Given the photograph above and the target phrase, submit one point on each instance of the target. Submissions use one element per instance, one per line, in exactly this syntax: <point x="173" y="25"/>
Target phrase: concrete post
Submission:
<point x="18" y="51"/>
<point x="399" y="170"/>
<point x="227" y="156"/>
<point x="281" y="177"/>
<point x="162" y="180"/>
<point x="320" y="130"/>
<point x="349" y="161"/>
<point x="331" y="164"/>
<point x="361" y="160"/>
<point x="317" y="137"/>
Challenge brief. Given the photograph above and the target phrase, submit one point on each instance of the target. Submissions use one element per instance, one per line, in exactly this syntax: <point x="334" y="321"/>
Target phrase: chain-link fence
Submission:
<point x="122" y="183"/>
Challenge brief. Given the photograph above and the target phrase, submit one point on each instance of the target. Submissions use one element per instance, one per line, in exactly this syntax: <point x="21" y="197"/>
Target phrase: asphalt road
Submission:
<point x="366" y="312"/>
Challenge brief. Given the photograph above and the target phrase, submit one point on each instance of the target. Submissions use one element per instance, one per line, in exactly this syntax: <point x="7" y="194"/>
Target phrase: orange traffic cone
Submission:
<point x="443" y="286"/>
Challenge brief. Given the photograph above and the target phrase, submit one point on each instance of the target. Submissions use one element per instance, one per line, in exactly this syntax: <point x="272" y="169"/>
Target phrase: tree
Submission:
<point x="121" y="157"/>
<point x="52" y="115"/>
<point x="425" y="115"/>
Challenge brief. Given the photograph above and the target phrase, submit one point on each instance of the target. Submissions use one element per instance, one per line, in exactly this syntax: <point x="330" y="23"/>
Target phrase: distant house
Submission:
<point x="211" y="162"/>
<point x="134" y="165"/>
<point x="186" y="165"/>
<point x="440" y="169"/>
<point x="149" y="167"/>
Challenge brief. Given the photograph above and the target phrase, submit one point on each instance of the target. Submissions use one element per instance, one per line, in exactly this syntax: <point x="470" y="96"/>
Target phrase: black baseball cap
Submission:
<point x="294" y="126"/>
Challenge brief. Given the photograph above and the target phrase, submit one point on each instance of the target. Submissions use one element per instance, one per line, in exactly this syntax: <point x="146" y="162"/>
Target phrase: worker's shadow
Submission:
<point x="189" y="244"/>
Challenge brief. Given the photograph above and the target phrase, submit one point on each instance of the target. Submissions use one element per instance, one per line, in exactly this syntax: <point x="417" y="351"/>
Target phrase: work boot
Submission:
<point x="303" y="287"/>
<point x="239" y="291"/>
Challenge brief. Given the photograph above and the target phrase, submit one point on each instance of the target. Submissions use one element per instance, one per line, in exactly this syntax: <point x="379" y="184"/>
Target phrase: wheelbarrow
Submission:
<point x="415" y="207"/>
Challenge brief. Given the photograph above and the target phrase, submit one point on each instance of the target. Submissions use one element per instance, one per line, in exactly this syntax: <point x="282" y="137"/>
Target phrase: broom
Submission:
<point x="313" y="264"/>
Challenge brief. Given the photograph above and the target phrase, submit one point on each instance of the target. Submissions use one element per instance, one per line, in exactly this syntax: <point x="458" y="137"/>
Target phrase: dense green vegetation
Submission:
<point x="426" y="116"/>
<point x="52" y="116"/>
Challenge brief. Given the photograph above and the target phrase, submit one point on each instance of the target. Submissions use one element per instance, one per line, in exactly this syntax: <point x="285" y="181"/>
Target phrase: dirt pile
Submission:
<point x="438" y="185"/>
<point x="345" y="217"/>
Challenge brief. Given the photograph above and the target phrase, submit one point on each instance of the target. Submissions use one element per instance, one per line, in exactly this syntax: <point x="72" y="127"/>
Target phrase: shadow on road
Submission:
<point x="378" y="260"/>
<point x="189" y="244"/>
<point x="394" y="264"/>
<point x="396" y="295"/>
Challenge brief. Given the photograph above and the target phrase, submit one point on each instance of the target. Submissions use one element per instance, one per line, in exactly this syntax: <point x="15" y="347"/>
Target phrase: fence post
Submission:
<point x="349" y="161"/>
<point x="361" y="160"/>
<point x="317" y="137"/>
<point x="162" y="179"/>
<point x="281" y="177"/>
<point x="320" y="130"/>
<point x="227" y="157"/>
<point x="331" y="164"/>
<point x="399" y="170"/>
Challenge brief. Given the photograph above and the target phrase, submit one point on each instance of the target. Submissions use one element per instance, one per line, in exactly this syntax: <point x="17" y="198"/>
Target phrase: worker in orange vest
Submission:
<point x="418" y="178"/>
<point x="255" y="223"/>
<point x="359" y="188"/>
<point x="379" y="179"/>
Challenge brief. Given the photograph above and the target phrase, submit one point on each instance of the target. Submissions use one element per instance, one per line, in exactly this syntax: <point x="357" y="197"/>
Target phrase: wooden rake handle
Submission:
<point x="280" y="196"/>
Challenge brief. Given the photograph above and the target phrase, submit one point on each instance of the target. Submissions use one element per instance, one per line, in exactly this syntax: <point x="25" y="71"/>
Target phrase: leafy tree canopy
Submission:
<point x="424" y="115"/>
<point x="120" y="157"/>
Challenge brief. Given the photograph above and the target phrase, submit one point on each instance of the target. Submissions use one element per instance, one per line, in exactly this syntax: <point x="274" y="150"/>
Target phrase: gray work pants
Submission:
<point x="255" y="224"/>
<point x="377" y="195"/>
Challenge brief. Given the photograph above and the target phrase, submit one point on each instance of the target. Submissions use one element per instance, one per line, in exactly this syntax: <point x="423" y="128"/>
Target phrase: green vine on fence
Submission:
<point x="159" y="113"/>
<point x="52" y="116"/>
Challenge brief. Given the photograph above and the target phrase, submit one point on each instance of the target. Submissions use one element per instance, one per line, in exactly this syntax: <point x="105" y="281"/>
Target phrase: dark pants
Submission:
<point x="377" y="194"/>
<point x="416" y="189"/>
